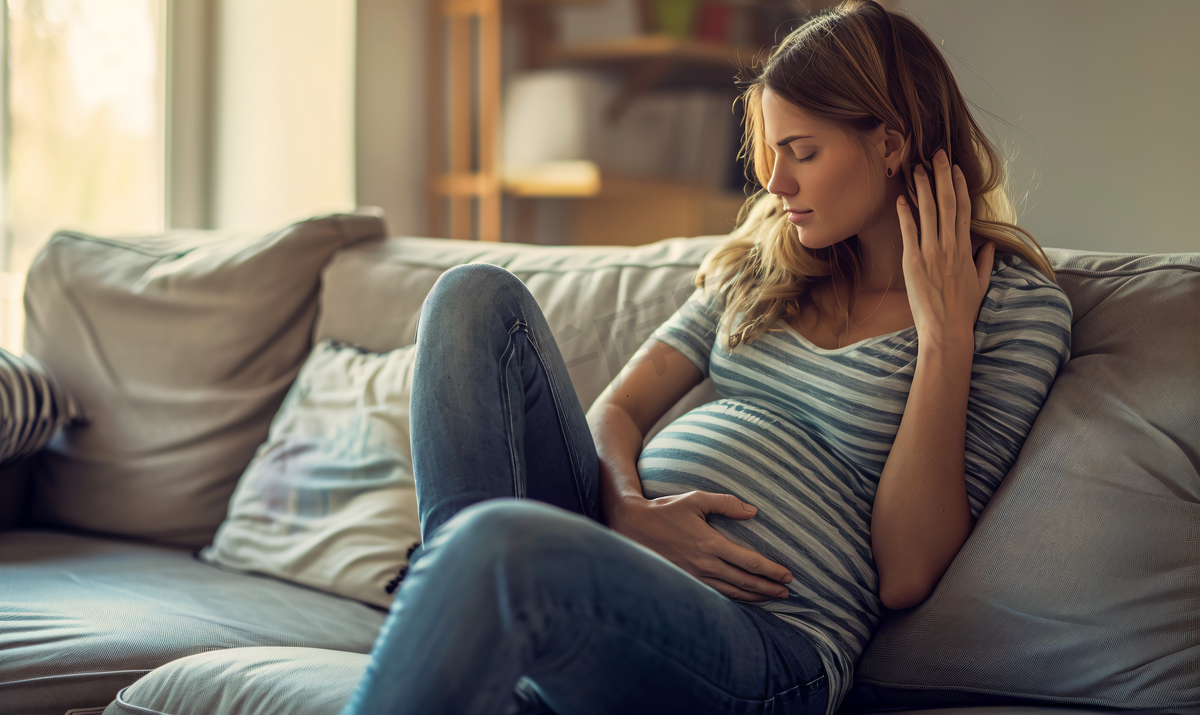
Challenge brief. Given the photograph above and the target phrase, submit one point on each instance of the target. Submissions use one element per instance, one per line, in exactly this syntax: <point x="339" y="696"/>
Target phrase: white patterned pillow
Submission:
<point x="32" y="407"/>
<point x="329" y="500"/>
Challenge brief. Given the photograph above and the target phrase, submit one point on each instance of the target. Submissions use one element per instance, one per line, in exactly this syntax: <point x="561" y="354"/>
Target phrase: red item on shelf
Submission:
<point x="712" y="25"/>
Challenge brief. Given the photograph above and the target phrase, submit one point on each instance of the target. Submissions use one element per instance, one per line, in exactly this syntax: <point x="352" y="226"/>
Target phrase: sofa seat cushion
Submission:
<point x="82" y="617"/>
<point x="315" y="681"/>
<point x="263" y="681"/>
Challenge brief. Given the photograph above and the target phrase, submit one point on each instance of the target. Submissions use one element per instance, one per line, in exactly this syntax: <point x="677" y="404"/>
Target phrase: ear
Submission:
<point x="889" y="143"/>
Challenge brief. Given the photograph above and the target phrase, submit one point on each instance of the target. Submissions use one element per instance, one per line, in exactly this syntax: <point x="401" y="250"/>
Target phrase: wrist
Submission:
<point x="948" y="343"/>
<point x="615" y="505"/>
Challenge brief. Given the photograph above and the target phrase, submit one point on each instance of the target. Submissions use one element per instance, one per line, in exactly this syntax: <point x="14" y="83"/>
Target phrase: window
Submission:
<point x="85" y="90"/>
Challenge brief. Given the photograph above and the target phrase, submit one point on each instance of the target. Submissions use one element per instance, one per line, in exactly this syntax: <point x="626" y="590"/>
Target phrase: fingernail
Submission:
<point x="749" y="508"/>
<point x="783" y="593"/>
<point x="940" y="155"/>
<point x="956" y="171"/>
<point x="919" y="171"/>
<point x="903" y="201"/>
<point x="787" y="578"/>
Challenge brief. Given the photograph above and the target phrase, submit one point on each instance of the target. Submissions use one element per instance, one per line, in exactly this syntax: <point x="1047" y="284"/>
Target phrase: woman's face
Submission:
<point x="830" y="189"/>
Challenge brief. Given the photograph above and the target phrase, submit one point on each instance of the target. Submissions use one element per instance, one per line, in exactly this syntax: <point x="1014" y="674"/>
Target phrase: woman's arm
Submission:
<point x="921" y="516"/>
<point x="655" y="379"/>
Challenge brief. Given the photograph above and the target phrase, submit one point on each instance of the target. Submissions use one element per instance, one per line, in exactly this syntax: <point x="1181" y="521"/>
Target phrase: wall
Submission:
<point x="390" y="111"/>
<point x="283" y="125"/>
<point x="1097" y="101"/>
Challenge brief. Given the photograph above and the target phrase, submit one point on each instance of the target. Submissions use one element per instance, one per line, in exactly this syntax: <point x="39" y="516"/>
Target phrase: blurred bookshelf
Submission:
<point x="590" y="121"/>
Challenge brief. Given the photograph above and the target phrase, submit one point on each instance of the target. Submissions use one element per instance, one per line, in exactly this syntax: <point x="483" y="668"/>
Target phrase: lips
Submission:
<point x="799" y="216"/>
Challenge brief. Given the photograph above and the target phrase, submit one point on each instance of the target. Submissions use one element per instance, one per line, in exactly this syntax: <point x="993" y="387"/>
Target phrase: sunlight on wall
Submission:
<point x="285" y="110"/>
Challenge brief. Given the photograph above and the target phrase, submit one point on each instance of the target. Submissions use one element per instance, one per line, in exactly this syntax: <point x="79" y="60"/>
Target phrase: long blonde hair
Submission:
<point x="856" y="65"/>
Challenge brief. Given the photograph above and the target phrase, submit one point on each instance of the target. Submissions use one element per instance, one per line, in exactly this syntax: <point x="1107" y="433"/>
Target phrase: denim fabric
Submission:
<point x="509" y="591"/>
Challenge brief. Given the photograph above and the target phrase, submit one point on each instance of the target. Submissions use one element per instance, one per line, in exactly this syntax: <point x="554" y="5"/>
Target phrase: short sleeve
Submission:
<point x="1027" y="339"/>
<point x="692" y="330"/>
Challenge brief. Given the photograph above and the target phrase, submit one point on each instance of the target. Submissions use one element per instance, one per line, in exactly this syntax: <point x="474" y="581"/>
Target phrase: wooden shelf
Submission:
<point x="583" y="179"/>
<point x="556" y="179"/>
<point x="643" y="48"/>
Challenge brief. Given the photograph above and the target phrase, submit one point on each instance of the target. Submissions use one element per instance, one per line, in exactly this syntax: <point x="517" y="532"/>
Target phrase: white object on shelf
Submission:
<point x="557" y="135"/>
<point x="591" y="23"/>
<point x="553" y="115"/>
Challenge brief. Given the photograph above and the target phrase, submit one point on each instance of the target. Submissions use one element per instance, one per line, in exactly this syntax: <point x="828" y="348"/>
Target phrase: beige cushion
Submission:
<point x="329" y="500"/>
<point x="179" y="348"/>
<point x="262" y="681"/>
<point x="1081" y="582"/>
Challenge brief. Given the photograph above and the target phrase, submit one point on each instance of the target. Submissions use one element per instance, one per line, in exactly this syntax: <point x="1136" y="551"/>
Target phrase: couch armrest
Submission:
<point x="14" y="488"/>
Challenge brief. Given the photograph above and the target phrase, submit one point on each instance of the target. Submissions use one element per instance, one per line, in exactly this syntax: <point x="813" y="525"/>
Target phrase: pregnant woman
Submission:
<point x="882" y="338"/>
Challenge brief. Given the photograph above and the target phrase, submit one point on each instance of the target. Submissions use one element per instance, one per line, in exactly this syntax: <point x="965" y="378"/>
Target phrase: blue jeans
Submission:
<point x="519" y="599"/>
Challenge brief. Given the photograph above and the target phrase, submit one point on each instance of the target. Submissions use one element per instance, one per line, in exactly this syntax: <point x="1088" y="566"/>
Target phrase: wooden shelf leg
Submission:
<point x="489" y="74"/>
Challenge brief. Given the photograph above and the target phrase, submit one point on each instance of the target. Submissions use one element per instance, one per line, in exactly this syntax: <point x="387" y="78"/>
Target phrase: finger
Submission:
<point x="908" y="231"/>
<point x="738" y="578"/>
<point x="750" y="561"/>
<point x="733" y="592"/>
<point x="725" y="505"/>
<point x="926" y="208"/>
<point x="947" y="204"/>
<point x="962" y="215"/>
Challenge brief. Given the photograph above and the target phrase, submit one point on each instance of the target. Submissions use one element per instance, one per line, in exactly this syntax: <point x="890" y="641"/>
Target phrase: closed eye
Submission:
<point x="808" y="158"/>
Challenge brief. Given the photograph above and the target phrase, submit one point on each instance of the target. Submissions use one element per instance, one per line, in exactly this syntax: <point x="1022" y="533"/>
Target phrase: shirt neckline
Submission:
<point x="845" y="348"/>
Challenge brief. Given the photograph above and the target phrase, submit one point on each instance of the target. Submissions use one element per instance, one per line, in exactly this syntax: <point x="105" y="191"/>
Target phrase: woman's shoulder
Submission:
<point x="1021" y="298"/>
<point x="1016" y="280"/>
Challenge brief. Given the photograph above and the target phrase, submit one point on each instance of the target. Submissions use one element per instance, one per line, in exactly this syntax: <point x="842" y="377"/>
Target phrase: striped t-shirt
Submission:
<point x="803" y="432"/>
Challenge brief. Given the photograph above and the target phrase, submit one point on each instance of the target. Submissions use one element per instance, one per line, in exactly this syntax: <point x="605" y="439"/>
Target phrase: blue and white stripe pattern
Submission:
<point x="32" y="407"/>
<point x="803" y="433"/>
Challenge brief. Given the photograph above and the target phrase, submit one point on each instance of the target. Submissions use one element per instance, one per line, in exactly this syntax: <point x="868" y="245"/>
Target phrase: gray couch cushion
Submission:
<point x="602" y="302"/>
<point x="1081" y="582"/>
<point x="82" y="617"/>
<point x="263" y="681"/>
<point x="179" y="348"/>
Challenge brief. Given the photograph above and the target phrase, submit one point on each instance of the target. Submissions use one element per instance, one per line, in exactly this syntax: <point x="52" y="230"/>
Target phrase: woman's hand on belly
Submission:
<point x="675" y="528"/>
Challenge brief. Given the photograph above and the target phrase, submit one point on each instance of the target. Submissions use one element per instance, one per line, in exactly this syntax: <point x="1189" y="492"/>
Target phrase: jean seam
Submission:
<point x="556" y="396"/>
<point x="506" y="394"/>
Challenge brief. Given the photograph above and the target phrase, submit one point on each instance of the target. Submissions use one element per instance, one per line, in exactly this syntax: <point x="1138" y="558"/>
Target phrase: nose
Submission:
<point x="781" y="183"/>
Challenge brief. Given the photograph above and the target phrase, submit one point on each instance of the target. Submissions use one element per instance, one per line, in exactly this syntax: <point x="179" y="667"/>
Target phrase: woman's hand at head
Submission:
<point x="674" y="527"/>
<point x="944" y="281"/>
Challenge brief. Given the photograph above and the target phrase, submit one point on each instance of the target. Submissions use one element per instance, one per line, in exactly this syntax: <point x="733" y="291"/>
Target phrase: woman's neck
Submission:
<point x="881" y="250"/>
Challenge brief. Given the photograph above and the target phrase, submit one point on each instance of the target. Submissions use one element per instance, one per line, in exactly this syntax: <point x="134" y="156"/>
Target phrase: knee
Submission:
<point x="512" y="531"/>
<point x="470" y="297"/>
<point x="477" y="285"/>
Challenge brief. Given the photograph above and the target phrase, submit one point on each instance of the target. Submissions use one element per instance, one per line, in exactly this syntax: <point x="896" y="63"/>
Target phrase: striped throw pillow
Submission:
<point x="32" y="407"/>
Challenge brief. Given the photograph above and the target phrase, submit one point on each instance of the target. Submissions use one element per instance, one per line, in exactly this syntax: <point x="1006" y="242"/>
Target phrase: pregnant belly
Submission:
<point x="813" y="511"/>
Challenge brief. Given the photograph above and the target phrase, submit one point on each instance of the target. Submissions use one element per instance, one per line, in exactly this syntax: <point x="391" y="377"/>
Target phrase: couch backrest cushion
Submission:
<point x="179" y="348"/>
<point x="601" y="302"/>
<point x="1081" y="581"/>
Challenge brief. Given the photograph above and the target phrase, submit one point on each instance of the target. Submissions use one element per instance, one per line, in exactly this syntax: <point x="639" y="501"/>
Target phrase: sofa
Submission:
<point x="1078" y="591"/>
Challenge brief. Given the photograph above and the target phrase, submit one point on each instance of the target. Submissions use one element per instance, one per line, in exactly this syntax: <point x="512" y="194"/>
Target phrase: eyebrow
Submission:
<point x="789" y="140"/>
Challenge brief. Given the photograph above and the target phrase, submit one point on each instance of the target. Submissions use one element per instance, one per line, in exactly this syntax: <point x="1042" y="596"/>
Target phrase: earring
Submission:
<point x="889" y="172"/>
